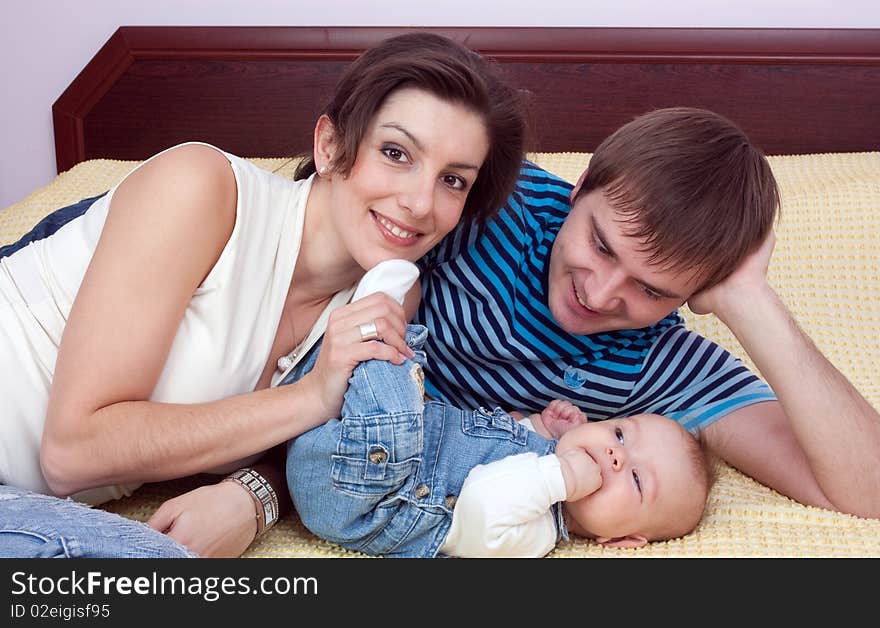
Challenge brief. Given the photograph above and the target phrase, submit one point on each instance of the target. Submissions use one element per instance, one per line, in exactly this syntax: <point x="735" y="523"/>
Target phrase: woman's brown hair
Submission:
<point x="691" y="186"/>
<point x="449" y="71"/>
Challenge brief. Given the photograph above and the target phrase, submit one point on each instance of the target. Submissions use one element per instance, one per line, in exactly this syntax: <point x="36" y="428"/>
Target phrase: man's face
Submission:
<point x="599" y="279"/>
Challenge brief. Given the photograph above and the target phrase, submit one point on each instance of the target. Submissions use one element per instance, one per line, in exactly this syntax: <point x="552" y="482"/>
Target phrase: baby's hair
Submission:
<point x="704" y="463"/>
<point x="704" y="460"/>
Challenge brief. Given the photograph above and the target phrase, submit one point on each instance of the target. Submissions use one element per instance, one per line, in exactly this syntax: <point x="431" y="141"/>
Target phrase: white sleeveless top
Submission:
<point x="221" y="346"/>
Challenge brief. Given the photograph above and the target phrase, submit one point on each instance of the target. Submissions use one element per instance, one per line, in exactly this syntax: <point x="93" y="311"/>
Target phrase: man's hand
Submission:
<point x="751" y="276"/>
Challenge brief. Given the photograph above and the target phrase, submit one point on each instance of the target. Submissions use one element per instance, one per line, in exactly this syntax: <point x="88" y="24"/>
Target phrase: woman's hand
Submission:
<point x="343" y="347"/>
<point x="214" y="521"/>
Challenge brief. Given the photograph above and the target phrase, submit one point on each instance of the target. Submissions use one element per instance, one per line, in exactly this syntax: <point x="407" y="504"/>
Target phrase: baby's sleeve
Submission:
<point x="504" y="509"/>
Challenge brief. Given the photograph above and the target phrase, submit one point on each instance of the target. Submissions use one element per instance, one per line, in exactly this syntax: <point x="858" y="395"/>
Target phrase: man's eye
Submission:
<point x="619" y="434"/>
<point x="395" y="154"/>
<point x="637" y="481"/>
<point x="601" y="249"/>
<point x="651" y="294"/>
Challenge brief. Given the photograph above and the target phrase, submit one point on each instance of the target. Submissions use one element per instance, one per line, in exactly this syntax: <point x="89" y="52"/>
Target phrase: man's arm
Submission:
<point x="821" y="443"/>
<point x="758" y="440"/>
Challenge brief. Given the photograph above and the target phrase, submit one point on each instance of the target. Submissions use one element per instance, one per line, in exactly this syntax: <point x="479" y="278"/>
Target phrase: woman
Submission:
<point x="180" y="291"/>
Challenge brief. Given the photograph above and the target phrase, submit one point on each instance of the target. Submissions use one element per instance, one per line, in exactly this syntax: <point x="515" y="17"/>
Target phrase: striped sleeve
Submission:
<point x="694" y="381"/>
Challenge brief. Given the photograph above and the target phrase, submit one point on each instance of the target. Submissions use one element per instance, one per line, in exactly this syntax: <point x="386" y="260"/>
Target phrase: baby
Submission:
<point x="628" y="481"/>
<point x="396" y="475"/>
<point x="399" y="475"/>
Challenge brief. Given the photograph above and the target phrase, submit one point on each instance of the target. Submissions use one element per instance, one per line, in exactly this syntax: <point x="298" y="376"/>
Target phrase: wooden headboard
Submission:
<point x="256" y="91"/>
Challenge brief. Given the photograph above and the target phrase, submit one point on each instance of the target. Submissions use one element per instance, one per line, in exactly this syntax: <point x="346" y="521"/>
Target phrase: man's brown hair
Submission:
<point x="690" y="185"/>
<point x="451" y="72"/>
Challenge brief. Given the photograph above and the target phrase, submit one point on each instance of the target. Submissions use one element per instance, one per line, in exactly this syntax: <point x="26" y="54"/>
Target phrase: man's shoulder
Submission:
<point x="537" y="207"/>
<point x="539" y="190"/>
<point x="672" y="329"/>
<point x="533" y="176"/>
<point x="531" y="215"/>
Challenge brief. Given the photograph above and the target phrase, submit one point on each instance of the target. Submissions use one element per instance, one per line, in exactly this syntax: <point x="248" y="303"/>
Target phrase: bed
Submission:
<point x="808" y="97"/>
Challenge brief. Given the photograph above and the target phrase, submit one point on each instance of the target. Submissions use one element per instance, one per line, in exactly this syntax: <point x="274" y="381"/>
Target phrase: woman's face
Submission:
<point x="415" y="165"/>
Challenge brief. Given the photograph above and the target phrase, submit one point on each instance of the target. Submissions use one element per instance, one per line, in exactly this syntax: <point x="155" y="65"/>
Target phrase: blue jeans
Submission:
<point x="383" y="479"/>
<point x="41" y="526"/>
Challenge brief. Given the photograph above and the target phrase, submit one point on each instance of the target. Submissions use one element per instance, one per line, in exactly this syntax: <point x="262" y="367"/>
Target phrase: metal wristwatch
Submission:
<point x="263" y="494"/>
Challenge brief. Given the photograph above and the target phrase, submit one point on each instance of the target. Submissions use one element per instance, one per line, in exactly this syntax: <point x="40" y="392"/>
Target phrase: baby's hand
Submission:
<point x="581" y="473"/>
<point x="560" y="410"/>
<point x="561" y="416"/>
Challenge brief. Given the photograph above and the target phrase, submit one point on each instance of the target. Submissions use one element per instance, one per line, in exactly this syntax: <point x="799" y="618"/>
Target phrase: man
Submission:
<point x="554" y="298"/>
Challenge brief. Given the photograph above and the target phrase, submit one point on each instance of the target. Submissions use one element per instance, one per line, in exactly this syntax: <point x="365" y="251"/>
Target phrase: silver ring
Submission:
<point x="368" y="331"/>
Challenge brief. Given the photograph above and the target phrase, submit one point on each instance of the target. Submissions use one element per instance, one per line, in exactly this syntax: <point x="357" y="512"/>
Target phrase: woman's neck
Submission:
<point x="324" y="266"/>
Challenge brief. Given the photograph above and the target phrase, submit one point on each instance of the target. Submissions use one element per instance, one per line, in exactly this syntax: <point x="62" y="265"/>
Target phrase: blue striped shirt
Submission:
<point x="493" y="341"/>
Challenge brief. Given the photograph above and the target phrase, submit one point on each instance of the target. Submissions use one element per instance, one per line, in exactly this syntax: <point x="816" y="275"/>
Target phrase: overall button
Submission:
<point x="377" y="456"/>
<point x="450" y="501"/>
<point x="422" y="491"/>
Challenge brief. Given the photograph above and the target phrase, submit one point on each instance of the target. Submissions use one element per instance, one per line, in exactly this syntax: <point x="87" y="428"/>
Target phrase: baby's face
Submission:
<point x="649" y="480"/>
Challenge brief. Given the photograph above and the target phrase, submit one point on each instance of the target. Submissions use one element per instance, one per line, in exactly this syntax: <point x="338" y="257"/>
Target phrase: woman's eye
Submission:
<point x="395" y="154"/>
<point x="619" y="434"/>
<point x="455" y="182"/>
<point x="637" y="481"/>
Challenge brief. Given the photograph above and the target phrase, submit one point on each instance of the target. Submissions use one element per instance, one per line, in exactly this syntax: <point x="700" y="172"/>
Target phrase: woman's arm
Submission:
<point x="166" y="227"/>
<point x="219" y="520"/>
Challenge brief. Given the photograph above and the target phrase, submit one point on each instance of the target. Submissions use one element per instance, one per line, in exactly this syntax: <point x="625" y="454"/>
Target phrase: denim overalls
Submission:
<point x="384" y="478"/>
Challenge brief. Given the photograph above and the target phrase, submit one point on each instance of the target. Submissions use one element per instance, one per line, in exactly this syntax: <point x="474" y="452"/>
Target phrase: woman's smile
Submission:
<point x="395" y="232"/>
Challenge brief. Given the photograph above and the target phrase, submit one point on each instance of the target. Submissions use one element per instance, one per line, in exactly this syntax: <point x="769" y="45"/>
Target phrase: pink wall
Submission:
<point x="45" y="43"/>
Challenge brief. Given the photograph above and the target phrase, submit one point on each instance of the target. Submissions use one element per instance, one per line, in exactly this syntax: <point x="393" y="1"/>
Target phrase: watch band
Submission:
<point x="264" y="496"/>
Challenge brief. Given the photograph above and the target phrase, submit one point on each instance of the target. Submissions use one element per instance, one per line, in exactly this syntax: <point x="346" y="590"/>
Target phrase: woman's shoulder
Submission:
<point x="192" y="171"/>
<point x="193" y="161"/>
<point x="191" y="186"/>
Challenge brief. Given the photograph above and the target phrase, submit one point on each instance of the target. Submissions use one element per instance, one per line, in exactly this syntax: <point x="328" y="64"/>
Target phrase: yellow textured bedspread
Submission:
<point x="826" y="268"/>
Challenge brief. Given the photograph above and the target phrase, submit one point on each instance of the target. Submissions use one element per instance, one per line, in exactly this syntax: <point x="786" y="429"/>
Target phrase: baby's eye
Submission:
<point x="637" y="481"/>
<point x="619" y="434"/>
